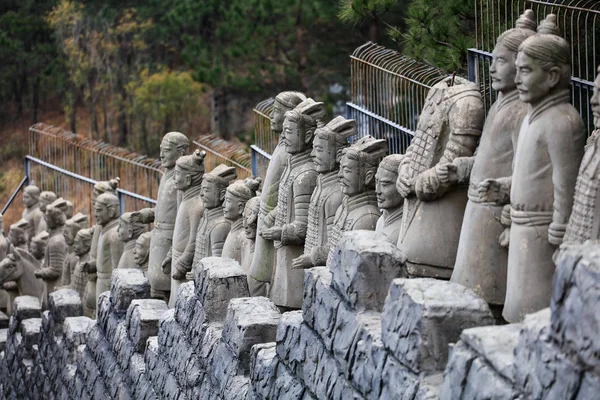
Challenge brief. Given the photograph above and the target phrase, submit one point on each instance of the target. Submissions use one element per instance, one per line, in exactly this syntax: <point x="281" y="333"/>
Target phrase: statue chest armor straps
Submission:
<point x="316" y="233"/>
<point x="210" y="219"/>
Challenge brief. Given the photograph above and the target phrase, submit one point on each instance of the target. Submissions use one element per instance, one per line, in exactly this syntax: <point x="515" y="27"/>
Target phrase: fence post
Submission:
<point x="472" y="65"/>
<point x="121" y="202"/>
<point x="27" y="172"/>
<point x="254" y="161"/>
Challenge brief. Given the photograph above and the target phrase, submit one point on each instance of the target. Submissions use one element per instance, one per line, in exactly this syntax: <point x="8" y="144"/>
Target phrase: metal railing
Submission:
<point x="219" y="151"/>
<point x="265" y="140"/>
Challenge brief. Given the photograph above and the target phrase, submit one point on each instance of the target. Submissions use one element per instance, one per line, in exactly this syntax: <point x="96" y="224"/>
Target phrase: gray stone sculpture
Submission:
<point x="329" y="142"/>
<point x="142" y="250"/>
<point x="359" y="208"/>
<point x="72" y="226"/>
<point x="56" y="250"/>
<point x="261" y="268"/>
<point x="17" y="234"/>
<point x="37" y="247"/>
<point x="549" y="151"/>
<point x="213" y="227"/>
<point x="32" y="212"/>
<point x="250" y="225"/>
<point x="81" y="247"/>
<point x="131" y="226"/>
<point x="449" y="127"/>
<point x="388" y="198"/>
<point x="481" y="259"/>
<point x="173" y="146"/>
<point x="236" y="197"/>
<point x="286" y="224"/>
<point x="46" y="198"/>
<point x="189" y="171"/>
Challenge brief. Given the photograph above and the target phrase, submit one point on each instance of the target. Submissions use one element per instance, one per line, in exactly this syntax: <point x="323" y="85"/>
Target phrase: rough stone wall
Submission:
<point x="552" y="354"/>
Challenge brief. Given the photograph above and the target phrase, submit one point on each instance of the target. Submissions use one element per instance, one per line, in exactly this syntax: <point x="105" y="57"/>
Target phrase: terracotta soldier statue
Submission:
<point x="110" y="248"/>
<point x="584" y="222"/>
<point x="89" y="295"/>
<point x="389" y="200"/>
<point x="131" y="226"/>
<point x="449" y="127"/>
<point x="250" y="223"/>
<point x="37" y="247"/>
<point x="261" y="268"/>
<point x="213" y="228"/>
<point x="72" y="226"/>
<point x="142" y="250"/>
<point x="357" y="177"/>
<point x="290" y="217"/>
<point x="549" y="152"/>
<point x="56" y="250"/>
<point x="189" y="171"/>
<point x="17" y="234"/>
<point x="173" y="146"/>
<point x="329" y="142"/>
<point x="236" y="197"/>
<point x="481" y="259"/>
<point x="32" y="212"/>
<point x="17" y="241"/>
<point x="46" y="198"/>
<point x="81" y="247"/>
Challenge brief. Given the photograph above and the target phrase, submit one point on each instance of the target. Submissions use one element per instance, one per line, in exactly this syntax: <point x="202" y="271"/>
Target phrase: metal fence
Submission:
<point x="387" y="93"/>
<point x="219" y="151"/>
<point x="265" y="140"/>
<point x="579" y="24"/>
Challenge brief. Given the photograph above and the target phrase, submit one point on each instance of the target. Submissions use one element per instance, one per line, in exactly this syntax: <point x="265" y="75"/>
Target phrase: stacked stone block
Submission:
<point x="204" y="344"/>
<point x="111" y="364"/>
<point x="552" y="354"/>
<point x="355" y="340"/>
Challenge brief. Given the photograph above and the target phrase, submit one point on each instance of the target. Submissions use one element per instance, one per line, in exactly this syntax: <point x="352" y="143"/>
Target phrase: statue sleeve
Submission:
<point x="269" y="219"/>
<point x="57" y="252"/>
<point x="185" y="261"/>
<point x="217" y="238"/>
<point x="295" y="232"/>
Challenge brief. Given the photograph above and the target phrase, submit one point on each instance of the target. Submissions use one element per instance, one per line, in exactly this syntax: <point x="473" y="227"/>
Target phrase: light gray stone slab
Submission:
<point x="127" y="285"/>
<point x="65" y="303"/>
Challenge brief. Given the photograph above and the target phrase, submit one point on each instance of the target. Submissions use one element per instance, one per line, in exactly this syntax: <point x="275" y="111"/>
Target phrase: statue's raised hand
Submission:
<point x="273" y="233"/>
<point x="495" y="191"/>
<point x="302" y="262"/>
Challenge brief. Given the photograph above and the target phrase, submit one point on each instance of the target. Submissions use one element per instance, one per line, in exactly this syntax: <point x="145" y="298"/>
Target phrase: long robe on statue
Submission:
<point x="108" y="254"/>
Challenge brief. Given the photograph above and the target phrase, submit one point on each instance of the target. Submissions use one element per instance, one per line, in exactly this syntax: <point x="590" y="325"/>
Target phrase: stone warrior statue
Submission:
<point x="173" y="146"/>
<point x="357" y="177"/>
<point x="261" y="268"/>
<point x="250" y="217"/>
<point x="481" y="260"/>
<point x="290" y="217"/>
<point x="131" y="226"/>
<point x="189" y="171"/>
<point x="56" y="250"/>
<point x="388" y="198"/>
<point x="329" y="142"/>
<point x="32" y="212"/>
<point x="72" y="226"/>
<point x="141" y="251"/>
<point x="584" y="222"/>
<point x="46" y="198"/>
<point x="37" y="247"/>
<point x="449" y="127"/>
<point x="89" y="295"/>
<point x="236" y="197"/>
<point x="81" y="246"/>
<point x="549" y="151"/>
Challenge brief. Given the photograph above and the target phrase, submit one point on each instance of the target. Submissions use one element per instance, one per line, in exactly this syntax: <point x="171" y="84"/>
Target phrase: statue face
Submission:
<point x="503" y="69"/>
<point x="103" y="214"/>
<point x="16" y="238"/>
<point x="43" y="204"/>
<point x="68" y="234"/>
<point x="277" y="117"/>
<point x="168" y="154"/>
<point x="385" y="189"/>
<point x="232" y="207"/>
<point x="349" y="176"/>
<point x="124" y="231"/>
<point x="182" y="179"/>
<point x="210" y="194"/>
<point x="595" y="102"/>
<point x="250" y="222"/>
<point x="140" y="252"/>
<point x="28" y="199"/>
<point x="291" y="137"/>
<point x="51" y="221"/>
<point x="37" y="250"/>
<point x="533" y="83"/>
<point x="80" y="247"/>
<point x="323" y="155"/>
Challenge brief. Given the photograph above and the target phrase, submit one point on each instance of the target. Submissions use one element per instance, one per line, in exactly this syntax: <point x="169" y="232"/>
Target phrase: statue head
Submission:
<point x="74" y="225"/>
<point x="46" y="198"/>
<point x="55" y="216"/>
<point x="173" y="146"/>
<point x="106" y="208"/>
<point x="214" y="185"/>
<point x="237" y="195"/>
<point x="359" y="164"/>
<point x="38" y="244"/>
<point x="17" y="234"/>
<point x="385" y="182"/>
<point x="543" y="64"/>
<point x="329" y="142"/>
<point x="595" y="101"/>
<point x="31" y="196"/>
<point x="251" y="211"/>
<point x="105" y="187"/>
<point x="284" y="102"/>
<point x="133" y="224"/>
<point x="503" y="69"/>
<point x="83" y="241"/>
<point x="300" y="124"/>
<point x="70" y="209"/>
<point x="142" y="248"/>
<point x="189" y="170"/>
